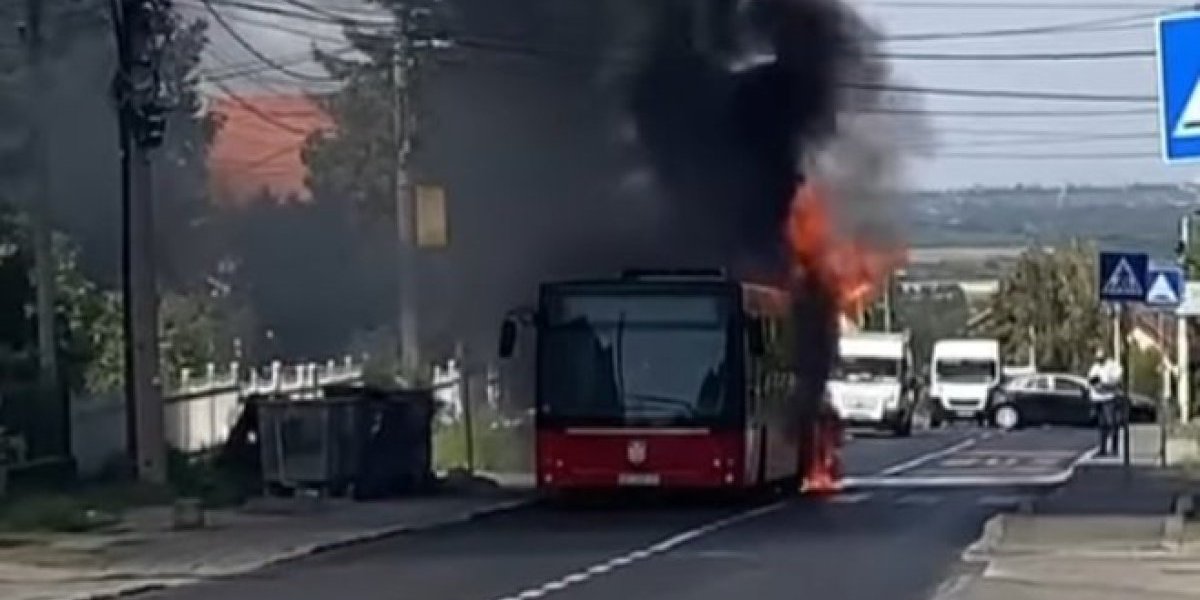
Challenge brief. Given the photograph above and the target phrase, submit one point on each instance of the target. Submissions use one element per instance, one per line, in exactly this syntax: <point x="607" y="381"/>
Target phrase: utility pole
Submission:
<point x="39" y="208"/>
<point x="1033" y="359"/>
<point x="1183" y="382"/>
<point x="142" y="28"/>
<point x="403" y="123"/>
<point x="887" y="302"/>
<point x="1126" y="378"/>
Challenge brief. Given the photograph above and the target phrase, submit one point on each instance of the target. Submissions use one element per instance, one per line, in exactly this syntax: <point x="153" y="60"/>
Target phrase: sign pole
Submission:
<point x="1125" y="380"/>
<point x="1126" y="278"/>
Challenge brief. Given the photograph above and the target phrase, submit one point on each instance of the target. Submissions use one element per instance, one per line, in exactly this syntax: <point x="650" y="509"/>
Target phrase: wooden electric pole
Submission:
<point x="137" y="90"/>
<point x="39" y="207"/>
<point x="400" y="80"/>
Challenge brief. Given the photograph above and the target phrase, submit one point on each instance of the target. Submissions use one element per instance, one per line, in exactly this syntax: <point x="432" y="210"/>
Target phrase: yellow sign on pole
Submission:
<point x="431" y="217"/>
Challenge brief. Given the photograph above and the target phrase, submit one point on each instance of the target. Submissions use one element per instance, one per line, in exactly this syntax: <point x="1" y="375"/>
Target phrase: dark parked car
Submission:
<point x="1053" y="399"/>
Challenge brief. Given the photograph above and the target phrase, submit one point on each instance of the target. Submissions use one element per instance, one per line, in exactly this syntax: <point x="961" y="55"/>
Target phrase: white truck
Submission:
<point x="963" y="375"/>
<point x="873" y="383"/>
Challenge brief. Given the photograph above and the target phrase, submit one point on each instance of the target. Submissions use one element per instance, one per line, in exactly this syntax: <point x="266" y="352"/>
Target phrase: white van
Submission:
<point x="963" y="375"/>
<point x="873" y="383"/>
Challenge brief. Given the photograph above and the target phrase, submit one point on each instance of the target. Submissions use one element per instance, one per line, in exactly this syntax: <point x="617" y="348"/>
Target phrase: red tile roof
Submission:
<point x="258" y="146"/>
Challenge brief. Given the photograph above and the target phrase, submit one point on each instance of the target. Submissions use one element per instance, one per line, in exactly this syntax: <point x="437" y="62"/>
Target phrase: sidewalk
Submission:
<point x="148" y="554"/>
<point x="1107" y="534"/>
<point x="1101" y="485"/>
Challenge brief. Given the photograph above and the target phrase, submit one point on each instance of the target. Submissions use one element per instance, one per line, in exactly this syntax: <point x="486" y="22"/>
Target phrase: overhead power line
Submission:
<point x="1039" y="133"/>
<point x="1019" y="56"/>
<point x="299" y="9"/>
<point x="1027" y="143"/>
<point x="1084" y="25"/>
<point x="993" y="94"/>
<point x="1015" y="114"/>
<point x="1018" y="5"/>
<point x="244" y="43"/>
<point x="1049" y="155"/>
<point x="301" y="12"/>
<point x="258" y="112"/>
<point x="514" y="47"/>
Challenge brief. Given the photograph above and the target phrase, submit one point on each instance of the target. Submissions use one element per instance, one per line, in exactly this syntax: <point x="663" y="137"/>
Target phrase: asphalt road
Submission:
<point x="896" y="534"/>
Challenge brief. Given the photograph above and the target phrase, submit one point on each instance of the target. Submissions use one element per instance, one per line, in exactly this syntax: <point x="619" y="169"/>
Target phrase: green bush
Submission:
<point x="496" y="447"/>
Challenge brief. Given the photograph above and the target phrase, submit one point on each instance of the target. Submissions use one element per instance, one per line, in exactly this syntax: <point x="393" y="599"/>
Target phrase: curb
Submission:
<point x="981" y="550"/>
<point x="955" y="587"/>
<point x="159" y="582"/>
<point x="379" y="534"/>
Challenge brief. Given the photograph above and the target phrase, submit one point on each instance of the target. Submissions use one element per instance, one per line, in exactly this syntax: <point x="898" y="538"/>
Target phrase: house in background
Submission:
<point x="258" y="146"/>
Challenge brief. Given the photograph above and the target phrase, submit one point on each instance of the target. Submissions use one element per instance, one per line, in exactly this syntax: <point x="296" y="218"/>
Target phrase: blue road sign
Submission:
<point x="1179" y="86"/>
<point x="1123" y="276"/>
<point x="1164" y="285"/>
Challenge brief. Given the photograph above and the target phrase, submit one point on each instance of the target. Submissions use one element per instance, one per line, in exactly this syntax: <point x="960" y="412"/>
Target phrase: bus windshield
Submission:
<point x="635" y="358"/>
<point x="866" y="368"/>
<point x="951" y="370"/>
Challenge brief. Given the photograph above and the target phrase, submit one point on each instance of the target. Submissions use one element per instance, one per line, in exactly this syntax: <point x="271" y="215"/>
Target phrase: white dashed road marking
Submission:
<point x="625" y="560"/>
<point x="882" y="478"/>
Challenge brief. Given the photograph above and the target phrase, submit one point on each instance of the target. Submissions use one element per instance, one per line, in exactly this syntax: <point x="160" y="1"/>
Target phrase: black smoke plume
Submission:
<point x="778" y="92"/>
<point x="727" y="126"/>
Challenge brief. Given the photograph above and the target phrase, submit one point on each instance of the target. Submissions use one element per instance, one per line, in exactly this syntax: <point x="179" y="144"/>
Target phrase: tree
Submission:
<point x="189" y="250"/>
<point x="353" y="172"/>
<point x="932" y="314"/>
<point x="310" y="278"/>
<point x="1049" y="301"/>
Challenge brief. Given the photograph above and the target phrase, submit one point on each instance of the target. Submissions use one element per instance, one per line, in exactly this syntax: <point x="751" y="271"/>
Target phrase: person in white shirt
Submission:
<point x="1105" y="379"/>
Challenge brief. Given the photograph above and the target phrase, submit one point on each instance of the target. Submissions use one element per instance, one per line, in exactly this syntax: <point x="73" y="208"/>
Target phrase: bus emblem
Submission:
<point x="636" y="452"/>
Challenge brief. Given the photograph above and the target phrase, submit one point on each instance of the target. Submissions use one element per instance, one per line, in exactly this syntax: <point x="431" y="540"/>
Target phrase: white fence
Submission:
<point x="199" y="411"/>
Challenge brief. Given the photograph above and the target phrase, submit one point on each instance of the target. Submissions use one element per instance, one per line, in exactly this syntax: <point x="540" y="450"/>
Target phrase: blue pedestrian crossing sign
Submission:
<point x="1164" y="286"/>
<point x="1123" y="276"/>
<point x="1179" y="86"/>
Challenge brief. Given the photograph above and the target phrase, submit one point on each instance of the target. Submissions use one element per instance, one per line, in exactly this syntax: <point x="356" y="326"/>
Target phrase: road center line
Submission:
<point x="584" y="574"/>
<point x="624" y="560"/>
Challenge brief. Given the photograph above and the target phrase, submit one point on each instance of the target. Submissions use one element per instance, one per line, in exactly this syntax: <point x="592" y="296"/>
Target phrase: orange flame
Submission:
<point x="854" y="270"/>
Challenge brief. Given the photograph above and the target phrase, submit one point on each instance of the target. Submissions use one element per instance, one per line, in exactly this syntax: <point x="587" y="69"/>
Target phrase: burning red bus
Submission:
<point x="662" y="379"/>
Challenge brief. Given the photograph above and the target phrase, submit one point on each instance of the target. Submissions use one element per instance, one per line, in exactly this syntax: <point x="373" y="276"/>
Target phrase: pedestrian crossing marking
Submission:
<point x="1001" y="461"/>
<point x="1123" y="281"/>
<point x="1161" y="291"/>
<point x="1000" y="501"/>
<point x="1188" y="125"/>
<point x="1040" y="453"/>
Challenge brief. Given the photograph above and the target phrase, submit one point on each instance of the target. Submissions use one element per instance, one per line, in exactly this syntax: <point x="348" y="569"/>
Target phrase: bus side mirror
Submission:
<point x="508" y="338"/>
<point x="754" y="337"/>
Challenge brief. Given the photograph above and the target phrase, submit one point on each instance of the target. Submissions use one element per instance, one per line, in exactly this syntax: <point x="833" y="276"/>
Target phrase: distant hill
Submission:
<point x="1140" y="217"/>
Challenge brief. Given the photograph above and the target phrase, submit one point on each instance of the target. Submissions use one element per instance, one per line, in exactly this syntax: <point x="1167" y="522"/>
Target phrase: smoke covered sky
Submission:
<point x="1004" y="150"/>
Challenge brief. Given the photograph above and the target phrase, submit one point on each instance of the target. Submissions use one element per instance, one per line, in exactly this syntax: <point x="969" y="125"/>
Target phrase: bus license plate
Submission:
<point x="965" y="413"/>
<point x="638" y="479"/>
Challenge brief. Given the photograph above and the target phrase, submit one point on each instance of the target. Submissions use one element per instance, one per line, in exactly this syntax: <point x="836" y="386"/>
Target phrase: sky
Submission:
<point x="1054" y="142"/>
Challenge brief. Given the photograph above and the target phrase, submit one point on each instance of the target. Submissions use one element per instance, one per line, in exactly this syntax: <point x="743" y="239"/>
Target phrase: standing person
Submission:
<point x="1105" y="378"/>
